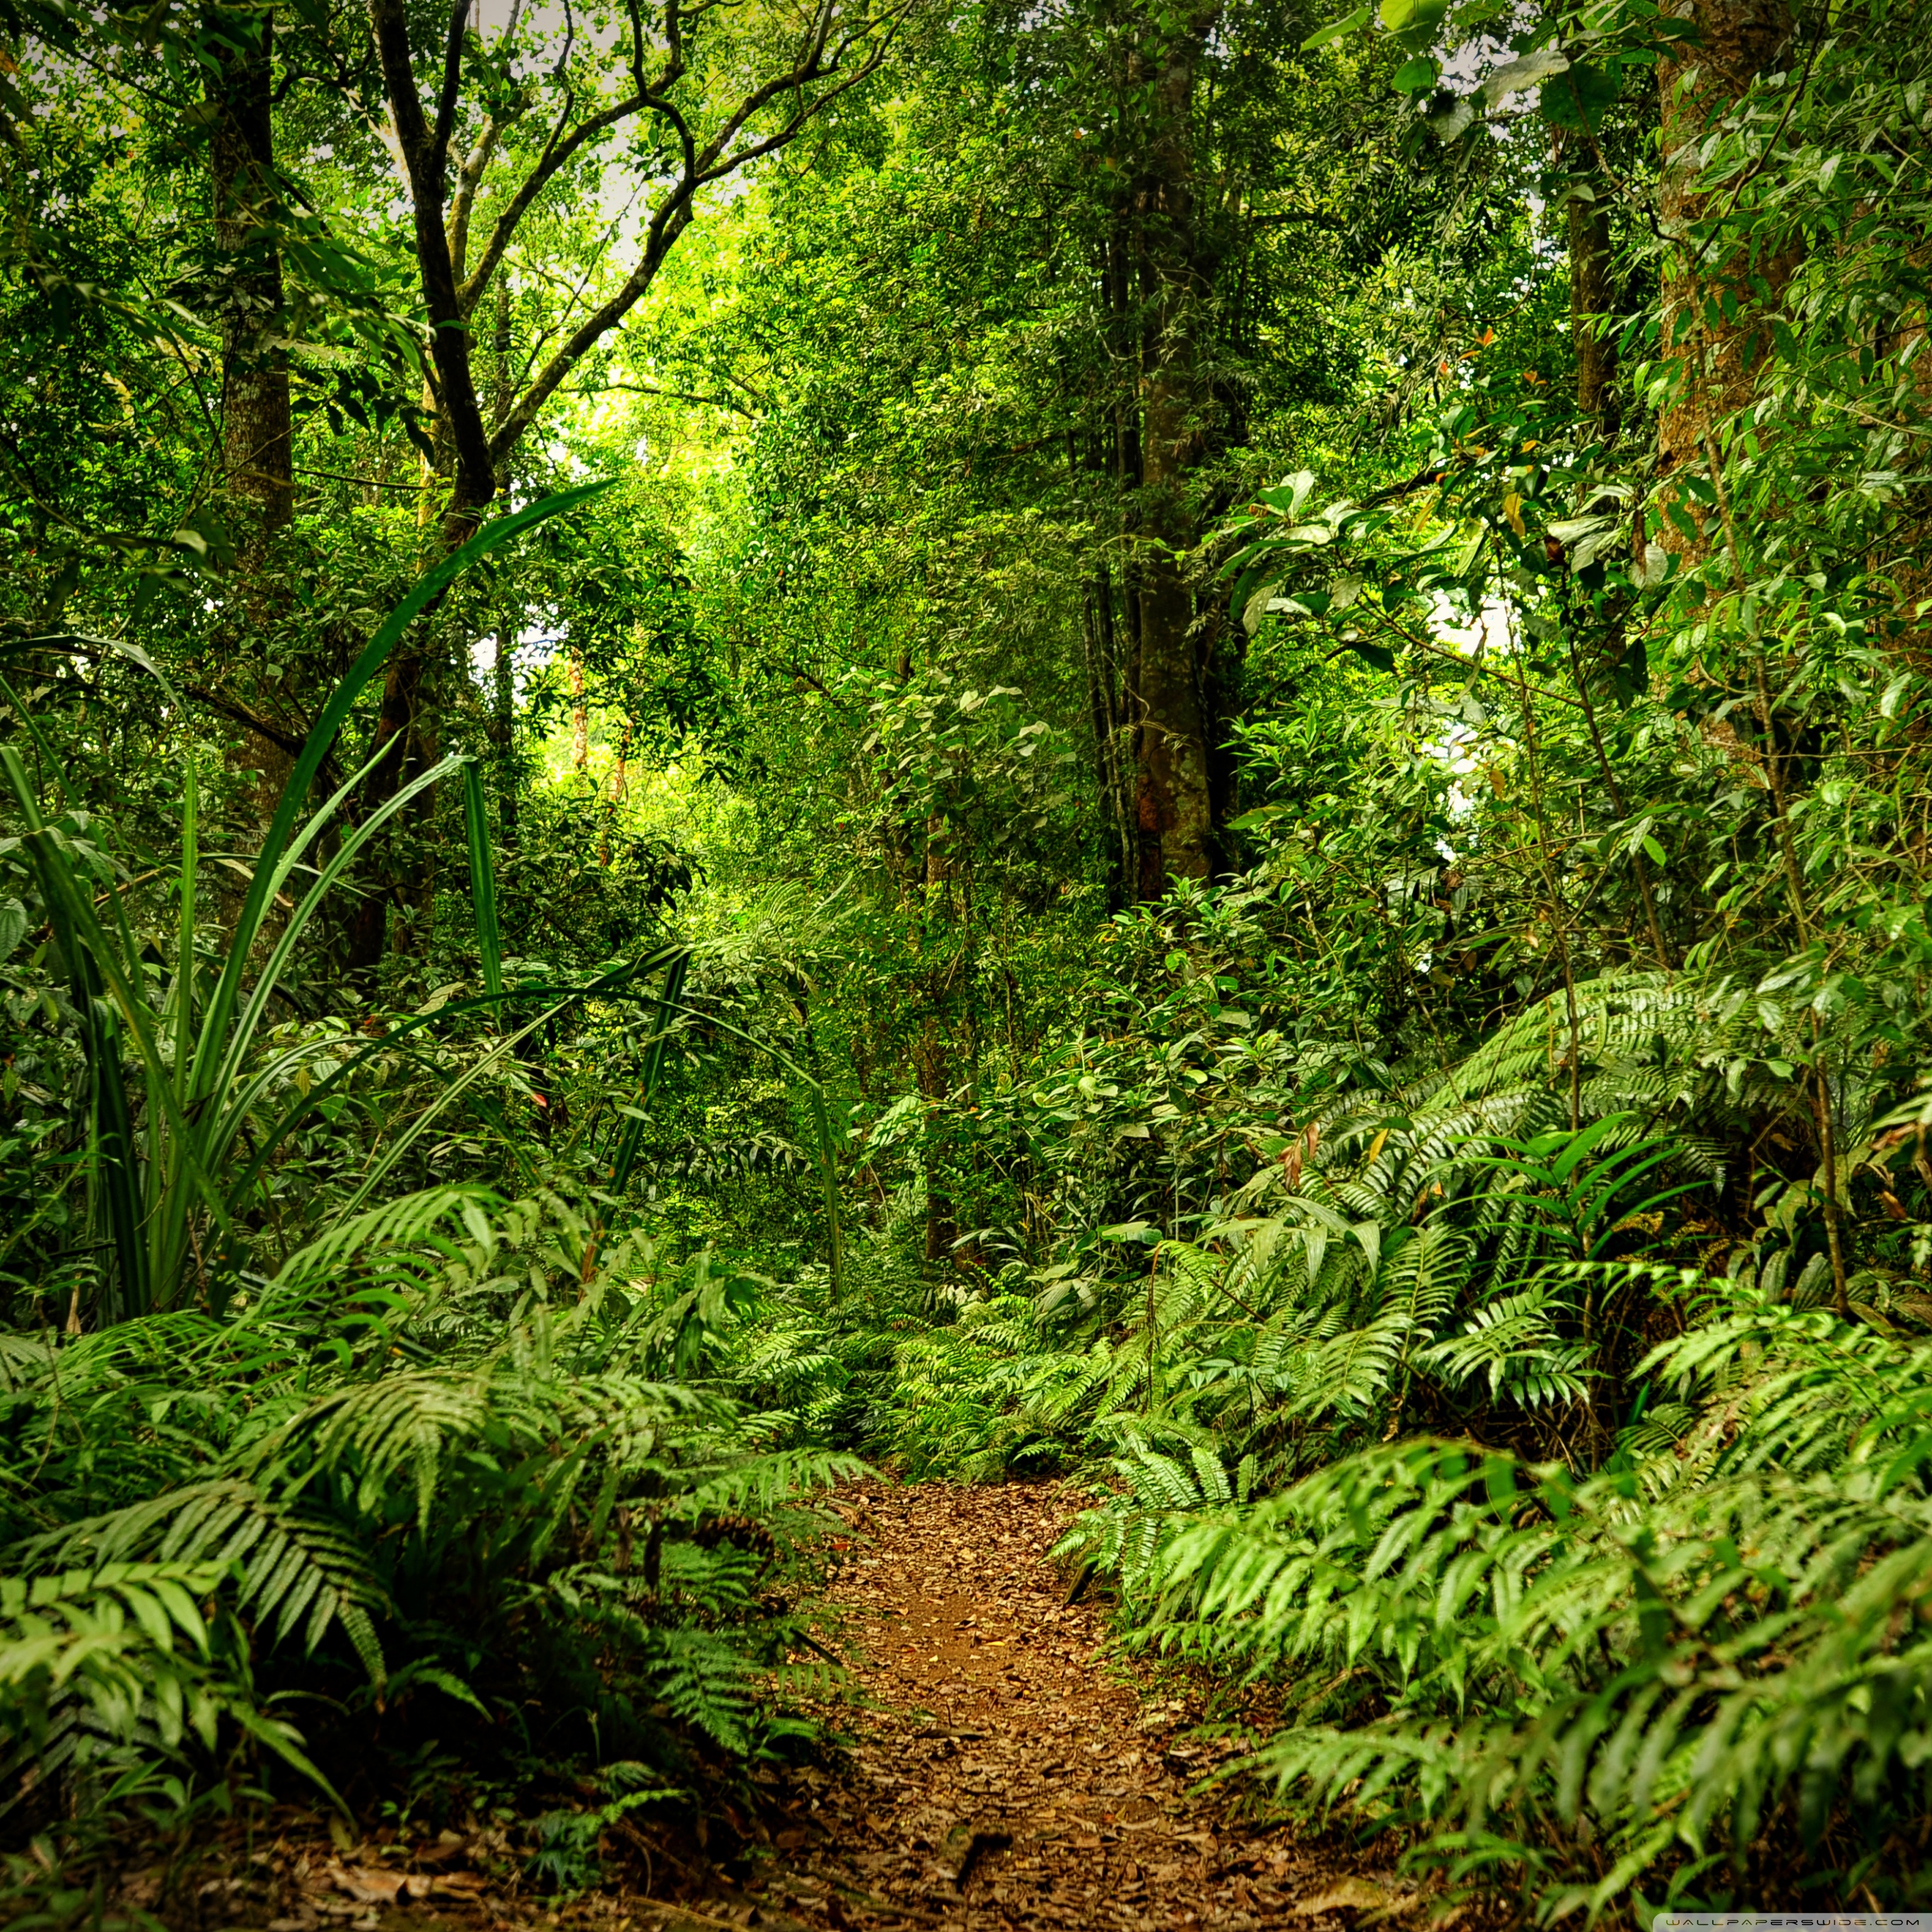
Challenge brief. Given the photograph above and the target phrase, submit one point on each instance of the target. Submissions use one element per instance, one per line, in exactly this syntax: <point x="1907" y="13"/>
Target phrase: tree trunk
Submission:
<point x="404" y="734"/>
<point x="257" y="446"/>
<point x="1591" y="291"/>
<point x="257" y="424"/>
<point x="1719" y="353"/>
<point x="1738" y="41"/>
<point x="1173" y="811"/>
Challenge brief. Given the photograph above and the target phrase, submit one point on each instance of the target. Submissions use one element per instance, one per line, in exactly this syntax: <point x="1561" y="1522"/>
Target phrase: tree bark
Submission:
<point x="257" y="432"/>
<point x="1591" y="291"/>
<point x="613" y="802"/>
<point x="1174" y="808"/>
<point x="256" y="421"/>
<point x="1737" y="40"/>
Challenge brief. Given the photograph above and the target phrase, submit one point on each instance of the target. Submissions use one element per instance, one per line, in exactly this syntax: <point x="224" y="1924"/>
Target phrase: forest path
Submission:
<point x="1009" y="1778"/>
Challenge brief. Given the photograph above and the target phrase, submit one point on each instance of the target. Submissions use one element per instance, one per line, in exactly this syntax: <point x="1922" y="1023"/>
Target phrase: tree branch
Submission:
<point x="545" y="170"/>
<point x="468" y="179"/>
<point x="229" y="707"/>
<point x="717" y="168"/>
<point x="699" y="168"/>
<point x="423" y="162"/>
<point x="452" y="83"/>
<point x="674" y="395"/>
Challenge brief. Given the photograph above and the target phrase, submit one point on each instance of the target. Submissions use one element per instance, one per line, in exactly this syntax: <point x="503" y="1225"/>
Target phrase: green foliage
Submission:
<point x="406" y="1468"/>
<point x="1591" y="1685"/>
<point x="1473" y="1221"/>
<point x="192" y="1040"/>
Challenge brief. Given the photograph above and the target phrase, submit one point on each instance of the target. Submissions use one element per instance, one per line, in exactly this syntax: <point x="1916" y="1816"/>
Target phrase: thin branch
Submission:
<point x="452" y="86"/>
<point x="672" y="395"/>
<point x="228" y="707"/>
<point x="367" y="482"/>
<point x="556" y="154"/>
<point x="701" y="169"/>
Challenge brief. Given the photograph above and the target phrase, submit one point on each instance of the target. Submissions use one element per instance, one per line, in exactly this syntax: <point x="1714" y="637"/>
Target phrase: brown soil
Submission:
<point x="1004" y="1771"/>
<point x="1010" y="1776"/>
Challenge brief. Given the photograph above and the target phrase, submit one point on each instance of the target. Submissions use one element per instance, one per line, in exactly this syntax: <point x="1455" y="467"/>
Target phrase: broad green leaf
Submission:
<point x="1414" y="23"/>
<point x="1579" y="97"/>
<point x="1531" y="70"/>
<point x="1349" y="23"/>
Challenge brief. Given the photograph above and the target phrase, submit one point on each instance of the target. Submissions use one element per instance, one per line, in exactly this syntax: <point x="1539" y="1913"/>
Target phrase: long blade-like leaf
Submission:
<point x="482" y="877"/>
<point x="81" y="942"/>
<point x="654" y="1057"/>
<point x="315" y="747"/>
<point x="598" y="989"/>
<point x="241" y="1033"/>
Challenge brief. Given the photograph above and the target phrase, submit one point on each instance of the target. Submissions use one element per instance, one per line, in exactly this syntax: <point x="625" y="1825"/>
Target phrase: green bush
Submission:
<point x="428" y="1482"/>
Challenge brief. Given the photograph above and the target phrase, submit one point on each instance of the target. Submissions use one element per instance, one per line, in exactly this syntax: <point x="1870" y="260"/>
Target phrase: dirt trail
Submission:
<point x="1003" y="1779"/>
<point x="1009" y="1779"/>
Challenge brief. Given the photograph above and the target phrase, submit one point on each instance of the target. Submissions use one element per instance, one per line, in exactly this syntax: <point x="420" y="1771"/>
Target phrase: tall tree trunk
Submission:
<point x="1719" y="348"/>
<point x="405" y="735"/>
<point x="256" y="433"/>
<point x="256" y="425"/>
<point x="1737" y="40"/>
<point x="832" y="55"/>
<point x="1715" y="322"/>
<point x="1591" y="288"/>
<point x="1174" y="810"/>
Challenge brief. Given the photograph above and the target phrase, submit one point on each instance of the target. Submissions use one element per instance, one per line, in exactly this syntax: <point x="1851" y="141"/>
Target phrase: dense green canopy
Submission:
<point x="1177" y="741"/>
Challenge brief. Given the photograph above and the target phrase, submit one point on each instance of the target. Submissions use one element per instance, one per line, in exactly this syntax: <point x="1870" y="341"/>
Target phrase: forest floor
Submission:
<point x="1009" y="1773"/>
<point x="1004" y="1773"/>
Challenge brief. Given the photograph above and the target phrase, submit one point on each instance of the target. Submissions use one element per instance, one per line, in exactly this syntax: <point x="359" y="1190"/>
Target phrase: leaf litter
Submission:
<point x="1008" y="1773"/>
<point x="1003" y="1769"/>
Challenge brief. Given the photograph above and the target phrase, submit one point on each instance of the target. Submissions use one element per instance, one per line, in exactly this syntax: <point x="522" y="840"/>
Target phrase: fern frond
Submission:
<point x="294" y="1567"/>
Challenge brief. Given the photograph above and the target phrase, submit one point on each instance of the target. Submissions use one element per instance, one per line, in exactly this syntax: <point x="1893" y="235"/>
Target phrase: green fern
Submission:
<point x="402" y="1419"/>
<point x="292" y="1569"/>
<point x="1673" y="1659"/>
<point x="119" y="1657"/>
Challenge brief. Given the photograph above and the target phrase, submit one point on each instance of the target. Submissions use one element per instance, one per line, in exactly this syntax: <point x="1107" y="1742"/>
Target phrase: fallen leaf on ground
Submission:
<point x="368" y="1886"/>
<point x="1347" y="1894"/>
<point x="1002" y="1777"/>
